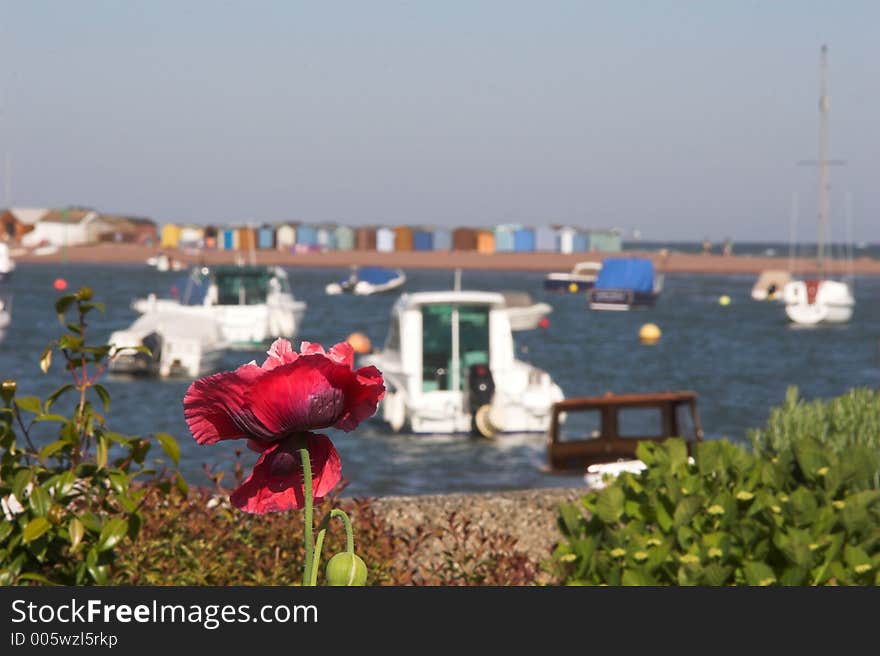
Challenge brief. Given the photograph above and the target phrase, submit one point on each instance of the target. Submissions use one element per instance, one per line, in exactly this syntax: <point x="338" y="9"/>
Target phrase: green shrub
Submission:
<point x="71" y="503"/>
<point x="838" y="424"/>
<point x="729" y="517"/>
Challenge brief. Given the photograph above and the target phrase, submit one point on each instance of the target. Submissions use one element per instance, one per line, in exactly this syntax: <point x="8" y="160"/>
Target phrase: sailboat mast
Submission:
<point x="824" y="174"/>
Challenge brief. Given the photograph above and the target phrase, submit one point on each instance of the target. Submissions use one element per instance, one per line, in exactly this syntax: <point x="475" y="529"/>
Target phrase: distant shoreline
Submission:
<point x="468" y="260"/>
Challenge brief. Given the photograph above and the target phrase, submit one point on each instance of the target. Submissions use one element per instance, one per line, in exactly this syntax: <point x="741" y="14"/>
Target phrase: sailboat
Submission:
<point x="820" y="300"/>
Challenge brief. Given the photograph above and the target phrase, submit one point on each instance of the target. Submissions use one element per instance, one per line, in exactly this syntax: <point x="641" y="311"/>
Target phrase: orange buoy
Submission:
<point x="60" y="284"/>
<point x="359" y="342"/>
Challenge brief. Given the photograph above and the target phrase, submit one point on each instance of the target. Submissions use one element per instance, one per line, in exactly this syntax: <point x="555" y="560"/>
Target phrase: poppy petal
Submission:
<point x="310" y="348"/>
<point x="276" y="483"/>
<point x="213" y="404"/>
<point x="363" y="396"/>
<point x="281" y="352"/>
<point x="343" y="353"/>
<point x="303" y="395"/>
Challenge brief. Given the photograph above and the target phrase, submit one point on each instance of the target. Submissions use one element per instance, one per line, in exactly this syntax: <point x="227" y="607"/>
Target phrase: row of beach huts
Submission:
<point x="311" y="238"/>
<point x="71" y="226"/>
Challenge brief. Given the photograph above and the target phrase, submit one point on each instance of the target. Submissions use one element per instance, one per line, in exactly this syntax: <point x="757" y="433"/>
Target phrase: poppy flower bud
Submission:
<point x="7" y="390"/>
<point x="346" y="569"/>
<point x="85" y="294"/>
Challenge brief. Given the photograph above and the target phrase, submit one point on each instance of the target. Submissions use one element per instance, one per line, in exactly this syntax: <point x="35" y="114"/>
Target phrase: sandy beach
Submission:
<point x="467" y="260"/>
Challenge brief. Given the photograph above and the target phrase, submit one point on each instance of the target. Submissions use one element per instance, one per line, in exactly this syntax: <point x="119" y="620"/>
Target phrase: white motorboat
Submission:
<point x="523" y="312"/>
<point x="820" y="300"/>
<point x="7" y="264"/>
<point x="163" y="262"/>
<point x="449" y="366"/>
<point x="252" y="304"/>
<point x="175" y="345"/>
<point x="581" y="278"/>
<point x="365" y="281"/>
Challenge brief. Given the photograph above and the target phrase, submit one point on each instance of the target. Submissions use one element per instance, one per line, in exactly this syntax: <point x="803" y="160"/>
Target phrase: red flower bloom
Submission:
<point x="275" y="407"/>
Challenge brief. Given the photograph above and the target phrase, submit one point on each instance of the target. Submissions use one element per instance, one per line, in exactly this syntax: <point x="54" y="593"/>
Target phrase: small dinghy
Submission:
<point x="365" y="281"/>
<point x="523" y="312"/>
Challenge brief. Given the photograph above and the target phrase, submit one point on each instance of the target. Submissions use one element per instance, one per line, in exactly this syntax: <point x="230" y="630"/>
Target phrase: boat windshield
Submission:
<point x="242" y="287"/>
<point x="449" y="330"/>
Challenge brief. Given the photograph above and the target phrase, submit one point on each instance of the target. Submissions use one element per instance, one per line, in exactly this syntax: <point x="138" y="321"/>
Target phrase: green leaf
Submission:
<point x="113" y="531"/>
<point x="101" y="451"/>
<point x="46" y="417"/>
<point x="54" y="396"/>
<point x="51" y="449"/>
<point x="62" y="304"/>
<point x="30" y="404"/>
<point x="610" y="504"/>
<point x="76" y="531"/>
<point x="33" y="576"/>
<point x="105" y="396"/>
<point x="91" y="522"/>
<point x="34" y="529"/>
<point x="39" y="501"/>
<point x="685" y="510"/>
<point x="5" y="529"/>
<point x="169" y="446"/>
<point x="20" y="482"/>
<point x="758" y="573"/>
<point x="181" y="484"/>
<point x="635" y="577"/>
<point x="71" y="342"/>
<point x="64" y="484"/>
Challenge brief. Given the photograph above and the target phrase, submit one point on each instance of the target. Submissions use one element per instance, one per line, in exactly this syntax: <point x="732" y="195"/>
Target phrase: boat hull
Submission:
<point x="814" y="302"/>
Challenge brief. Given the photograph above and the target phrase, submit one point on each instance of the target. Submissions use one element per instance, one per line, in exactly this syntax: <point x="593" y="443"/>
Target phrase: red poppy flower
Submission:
<point x="275" y="407"/>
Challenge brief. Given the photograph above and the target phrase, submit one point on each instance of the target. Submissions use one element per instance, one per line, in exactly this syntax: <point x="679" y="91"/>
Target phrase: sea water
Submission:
<point x="739" y="358"/>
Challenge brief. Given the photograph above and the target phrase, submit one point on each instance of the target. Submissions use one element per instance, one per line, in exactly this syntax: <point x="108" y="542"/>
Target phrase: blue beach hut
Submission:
<point x="265" y="237"/>
<point x="307" y="235"/>
<point x="524" y="240"/>
<point x="504" y="240"/>
<point x="580" y="242"/>
<point x="546" y="239"/>
<point x="442" y="239"/>
<point x="423" y="240"/>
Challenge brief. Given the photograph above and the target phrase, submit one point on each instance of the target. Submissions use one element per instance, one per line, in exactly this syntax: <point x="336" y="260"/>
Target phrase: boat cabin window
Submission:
<point x="640" y="422"/>
<point x="242" y="288"/>
<point x="440" y="333"/>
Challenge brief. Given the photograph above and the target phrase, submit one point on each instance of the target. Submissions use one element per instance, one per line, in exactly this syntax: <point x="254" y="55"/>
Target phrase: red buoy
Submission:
<point x="60" y="284"/>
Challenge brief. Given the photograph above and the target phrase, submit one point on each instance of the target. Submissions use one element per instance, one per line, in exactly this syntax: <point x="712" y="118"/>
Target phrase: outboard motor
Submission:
<point x="481" y="389"/>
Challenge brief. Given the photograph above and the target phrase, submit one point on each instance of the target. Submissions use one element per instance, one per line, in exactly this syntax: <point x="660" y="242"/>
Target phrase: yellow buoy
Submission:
<point x="724" y="300"/>
<point x="573" y="287"/>
<point x="649" y="333"/>
<point x="359" y="342"/>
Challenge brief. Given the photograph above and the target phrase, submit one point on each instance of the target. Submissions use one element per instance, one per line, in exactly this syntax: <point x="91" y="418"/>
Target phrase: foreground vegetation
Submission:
<point x="802" y="507"/>
<point x="81" y="504"/>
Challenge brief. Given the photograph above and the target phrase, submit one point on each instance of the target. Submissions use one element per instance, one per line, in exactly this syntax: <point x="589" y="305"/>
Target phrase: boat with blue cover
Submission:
<point x="624" y="283"/>
<point x="364" y="281"/>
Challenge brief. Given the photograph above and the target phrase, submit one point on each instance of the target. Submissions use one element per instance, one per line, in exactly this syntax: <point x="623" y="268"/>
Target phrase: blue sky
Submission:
<point x="680" y="119"/>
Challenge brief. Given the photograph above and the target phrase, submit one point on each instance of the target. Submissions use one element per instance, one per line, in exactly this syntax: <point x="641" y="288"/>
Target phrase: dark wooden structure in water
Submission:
<point x="607" y="444"/>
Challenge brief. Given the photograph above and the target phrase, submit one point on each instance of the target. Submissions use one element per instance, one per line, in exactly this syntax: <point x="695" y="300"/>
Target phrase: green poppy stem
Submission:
<point x="319" y="544"/>
<point x="349" y="533"/>
<point x="309" y="512"/>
